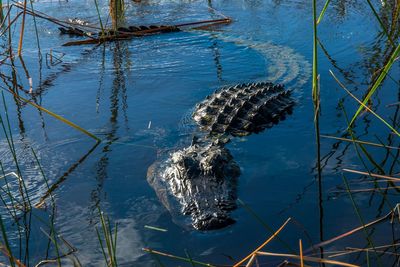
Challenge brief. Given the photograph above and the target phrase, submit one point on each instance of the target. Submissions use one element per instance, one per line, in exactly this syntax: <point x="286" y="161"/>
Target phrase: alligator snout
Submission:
<point x="212" y="221"/>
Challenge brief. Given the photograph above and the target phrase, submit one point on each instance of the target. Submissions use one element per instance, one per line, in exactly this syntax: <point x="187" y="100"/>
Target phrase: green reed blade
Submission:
<point x="101" y="244"/>
<point x="315" y="56"/>
<point x="98" y="14"/>
<point x="321" y="15"/>
<point x="58" y="117"/>
<point x="381" y="23"/>
<point x="378" y="82"/>
<point x="22" y="186"/>
<point x="357" y="210"/>
<point x="189" y="257"/>
<point x="115" y="244"/>
<point x="52" y="228"/>
<point x="155" y="228"/>
<point x="356" y="147"/>
<point x="363" y="106"/>
<point x="264" y="224"/>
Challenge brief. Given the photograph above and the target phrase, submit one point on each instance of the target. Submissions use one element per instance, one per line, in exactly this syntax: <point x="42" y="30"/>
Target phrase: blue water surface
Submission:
<point x="137" y="97"/>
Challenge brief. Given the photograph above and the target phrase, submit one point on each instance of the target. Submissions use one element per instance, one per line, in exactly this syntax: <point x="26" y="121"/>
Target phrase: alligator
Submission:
<point x="202" y="178"/>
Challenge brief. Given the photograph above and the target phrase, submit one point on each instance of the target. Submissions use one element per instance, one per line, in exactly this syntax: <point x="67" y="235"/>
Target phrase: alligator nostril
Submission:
<point x="212" y="222"/>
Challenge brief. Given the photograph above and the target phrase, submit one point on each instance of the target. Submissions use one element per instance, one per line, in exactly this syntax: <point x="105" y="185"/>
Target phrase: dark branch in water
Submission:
<point x="122" y="34"/>
<point x="64" y="177"/>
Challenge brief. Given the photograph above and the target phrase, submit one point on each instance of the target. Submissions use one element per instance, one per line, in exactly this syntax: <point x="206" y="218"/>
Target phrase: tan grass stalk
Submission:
<point x="359" y="141"/>
<point x="306" y="258"/>
<point x="21" y="35"/>
<point x="373" y="175"/>
<point x="301" y="254"/>
<point x="363" y="105"/>
<point x="250" y="262"/>
<point x="263" y="244"/>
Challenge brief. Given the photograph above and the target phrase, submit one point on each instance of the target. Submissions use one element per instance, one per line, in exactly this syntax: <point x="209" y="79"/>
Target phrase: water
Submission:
<point x="118" y="90"/>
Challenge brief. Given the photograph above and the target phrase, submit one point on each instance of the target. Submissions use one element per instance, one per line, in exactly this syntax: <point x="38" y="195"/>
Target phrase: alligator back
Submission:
<point x="243" y="109"/>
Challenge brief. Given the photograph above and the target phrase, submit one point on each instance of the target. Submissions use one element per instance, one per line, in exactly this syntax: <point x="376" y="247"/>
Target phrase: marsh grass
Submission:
<point x="96" y="4"/>
<point x="18" y="208"/>
<point x="321" y="15"/>
<point x="178" y="258"/>
<point x="363" y="105"/>
<point x="7" y="244"/>
<point x="1" y="13"/>
<point x="21" y="34"/>
<point x="6" y="126"/>
<point x="117" y="12"/>
<point x="107" y="239"/>
<point x="359" y="145"/>
<point x="377" y="83"/>
<point x="360" y="217"/>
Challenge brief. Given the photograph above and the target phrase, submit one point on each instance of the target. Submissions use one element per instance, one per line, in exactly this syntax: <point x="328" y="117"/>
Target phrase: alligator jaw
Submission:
<point x="212" y="221"/>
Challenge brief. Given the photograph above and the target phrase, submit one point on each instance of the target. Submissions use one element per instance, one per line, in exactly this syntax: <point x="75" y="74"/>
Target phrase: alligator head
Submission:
<point x="203" y="178"/>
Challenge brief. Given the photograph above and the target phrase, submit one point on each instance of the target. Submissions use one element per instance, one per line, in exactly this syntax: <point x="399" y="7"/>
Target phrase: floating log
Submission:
<point x="120" y="31"/>
<point x="138" y="31"/>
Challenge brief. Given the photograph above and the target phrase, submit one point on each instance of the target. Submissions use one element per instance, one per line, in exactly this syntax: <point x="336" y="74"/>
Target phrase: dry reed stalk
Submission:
<point x="11" y="22"/>
<point x="301" y="253"/>
<point x="54" y="20"/>
<point x="389" y="215"/>
<point x="355" y="250"/>
<point x="306" y="258"/>
<point x="21" y="35"/>
<point x="359" y="142"/>
<point x="5" y="252"/>
<point x="263" y="244"/>
<point x="393" y="104"/>
<point x="73" y="125"/>
<point x="367" y="190"/>
<point x="373" y="175"/>
<point x="208" y="26"/>
<point x="250" y="262"/>
<point x="363" y="105"/>
<point x="349" y="250"/>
